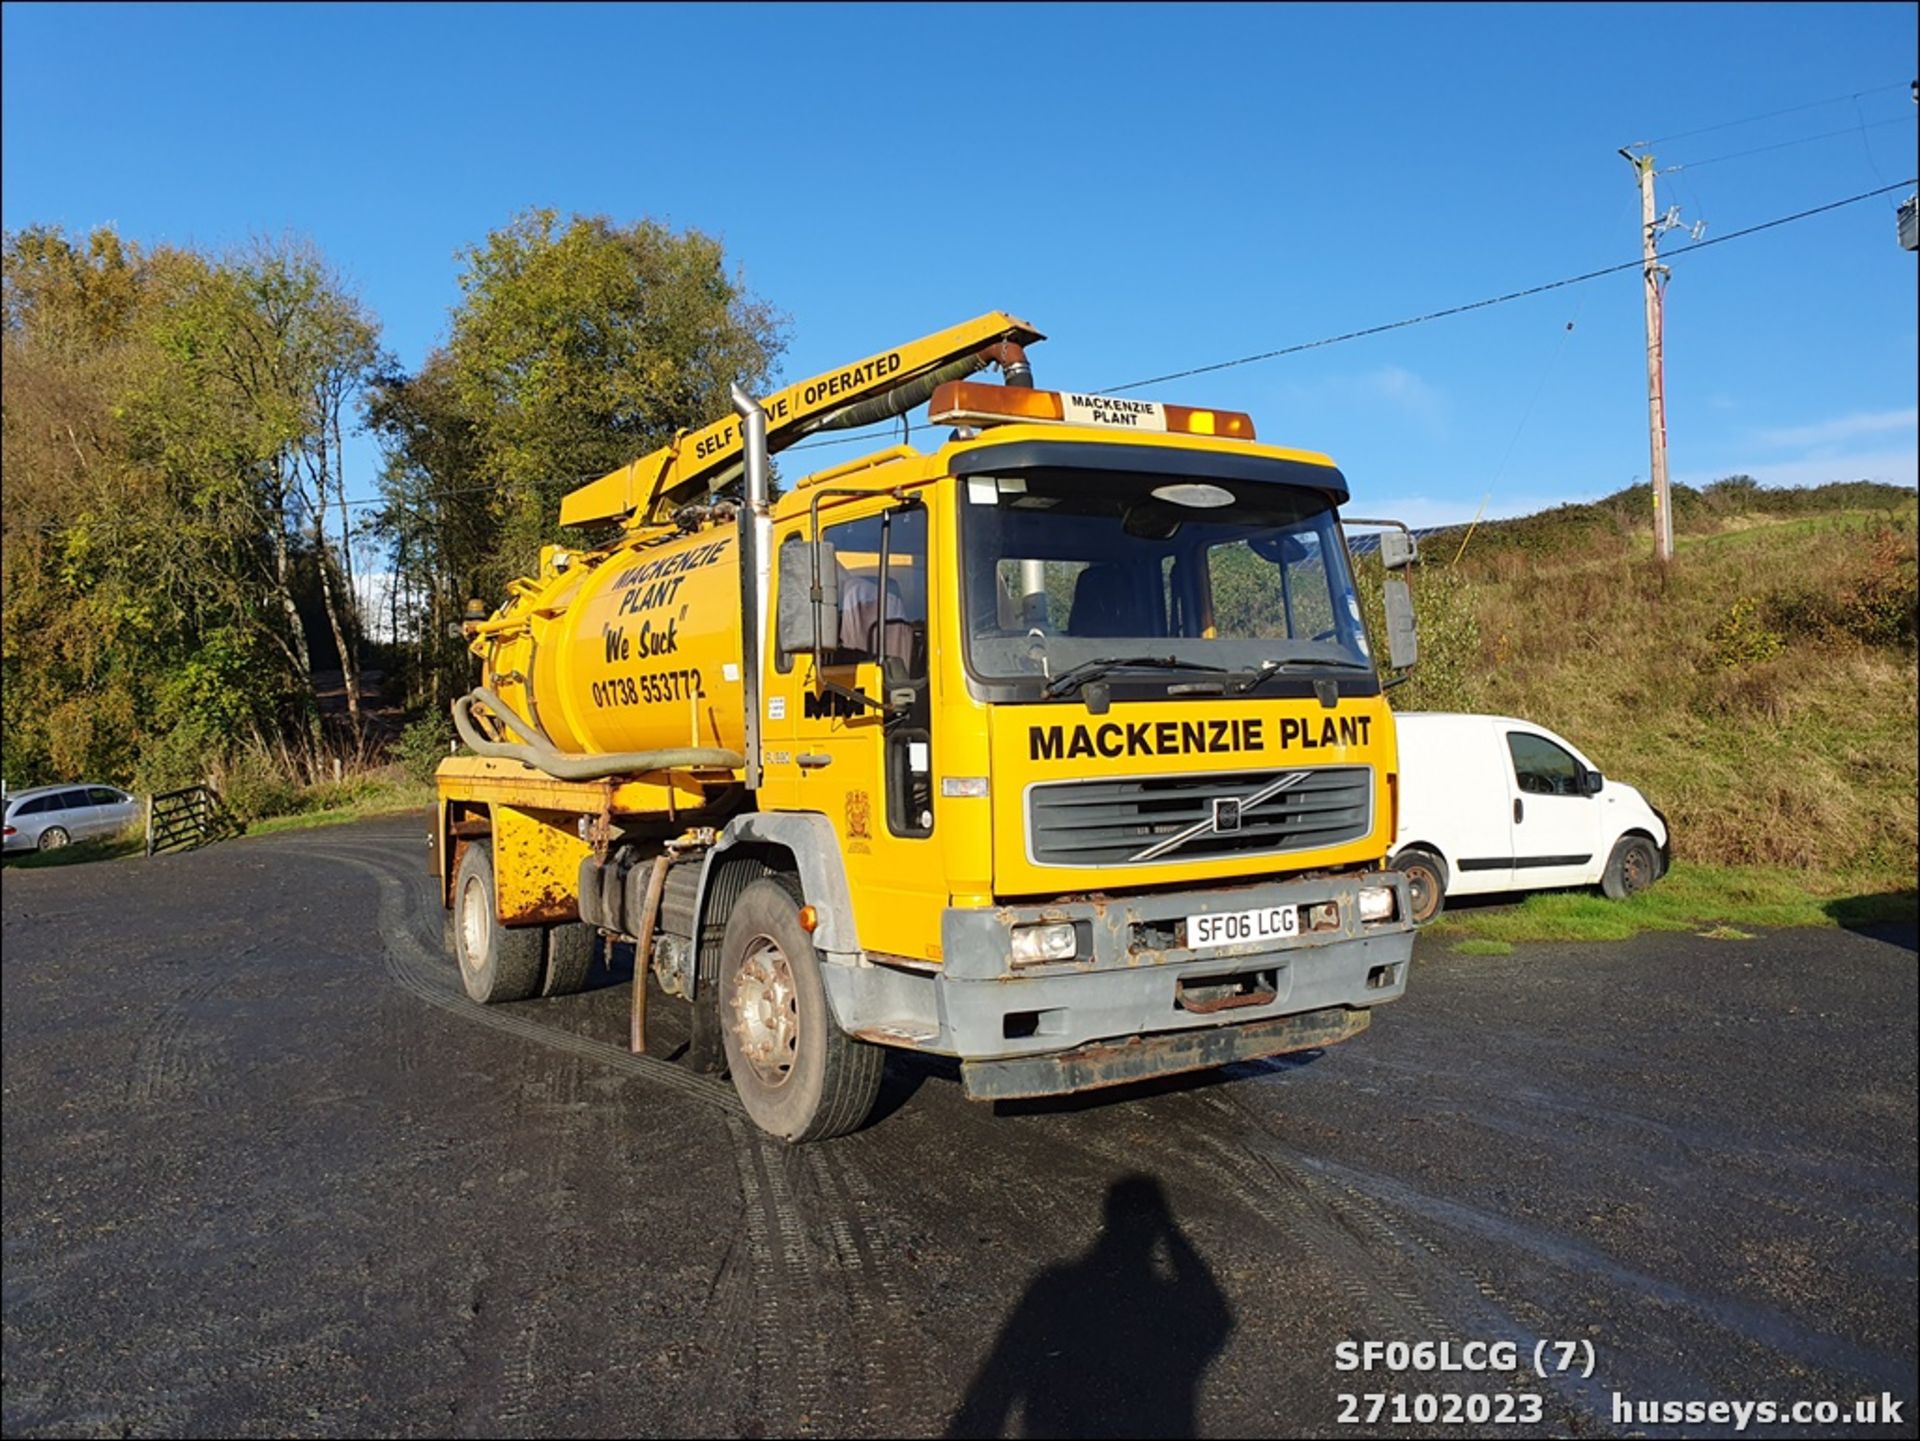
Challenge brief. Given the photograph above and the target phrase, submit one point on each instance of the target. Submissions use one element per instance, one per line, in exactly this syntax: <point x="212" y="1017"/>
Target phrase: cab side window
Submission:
<point x="871" y="629"/>
<point x="1542" y="768"/>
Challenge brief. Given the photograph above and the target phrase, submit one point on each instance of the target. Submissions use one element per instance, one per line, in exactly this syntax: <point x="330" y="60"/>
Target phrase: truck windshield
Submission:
<point x="1067" y="567"/>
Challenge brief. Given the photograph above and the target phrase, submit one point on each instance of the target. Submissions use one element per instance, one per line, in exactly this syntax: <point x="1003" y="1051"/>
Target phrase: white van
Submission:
<point x="1489" y="803"/>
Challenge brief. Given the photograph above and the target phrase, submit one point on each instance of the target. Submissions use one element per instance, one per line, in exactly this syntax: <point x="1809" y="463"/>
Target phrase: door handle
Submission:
<point x="814" y="760"/>
<point x="1519" y="811"/>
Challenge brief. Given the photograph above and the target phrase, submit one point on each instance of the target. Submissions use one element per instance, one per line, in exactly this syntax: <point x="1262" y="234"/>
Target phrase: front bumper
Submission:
<point x="1088" y="1068"/>
<point x="1132" y="978"/>
<point x="1666" y="846"/>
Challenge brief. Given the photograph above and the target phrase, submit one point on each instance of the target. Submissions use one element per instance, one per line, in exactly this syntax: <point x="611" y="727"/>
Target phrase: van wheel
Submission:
<point x="570" y="951"/>
<point x="1426" y="877"/>
<point x="1633" y="866"/>
<point x="497" y="963"/>
<point x="798" y="1074"/>
<point x="53" y="838"/>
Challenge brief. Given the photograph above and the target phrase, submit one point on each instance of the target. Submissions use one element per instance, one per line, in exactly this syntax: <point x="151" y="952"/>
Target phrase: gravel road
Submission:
<point x="267" y="1171"/>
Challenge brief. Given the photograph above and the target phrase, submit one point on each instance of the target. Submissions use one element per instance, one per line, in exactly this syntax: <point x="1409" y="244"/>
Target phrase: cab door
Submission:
<point x="1556" y="824"/>
<point x="863" y="733"/>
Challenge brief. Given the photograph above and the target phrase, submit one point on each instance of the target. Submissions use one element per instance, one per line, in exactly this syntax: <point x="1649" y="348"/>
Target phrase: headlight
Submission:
<point x="1034" y="944"/>
<point x="1376" y="903"/>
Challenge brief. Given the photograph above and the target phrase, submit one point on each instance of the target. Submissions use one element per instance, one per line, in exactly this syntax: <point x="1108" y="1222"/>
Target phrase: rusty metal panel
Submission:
<point x="536" y="865"/>
<point x="489" y="781"/>
<point x="1116" y="1063"/>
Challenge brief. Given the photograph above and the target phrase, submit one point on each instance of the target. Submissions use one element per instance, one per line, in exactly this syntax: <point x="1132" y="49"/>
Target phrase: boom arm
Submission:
<point x="888" y="384"/>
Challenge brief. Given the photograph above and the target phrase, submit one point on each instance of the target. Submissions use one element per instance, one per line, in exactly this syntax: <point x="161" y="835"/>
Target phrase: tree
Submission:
<point x="310" y="347"/>
<point x="170" y="420"/>
<point x="576" y="347"/>
<point x="437" y="514"/>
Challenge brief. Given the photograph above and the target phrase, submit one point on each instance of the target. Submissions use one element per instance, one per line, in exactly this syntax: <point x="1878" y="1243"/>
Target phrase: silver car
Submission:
<point x="49" y="817"/>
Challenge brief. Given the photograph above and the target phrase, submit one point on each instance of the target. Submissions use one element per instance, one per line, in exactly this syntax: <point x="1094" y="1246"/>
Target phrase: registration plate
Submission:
<point x="1239" y="928"/>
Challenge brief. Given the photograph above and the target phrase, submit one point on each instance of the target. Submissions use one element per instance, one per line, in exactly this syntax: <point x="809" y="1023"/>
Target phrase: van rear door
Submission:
<point x="1471" y="775"/>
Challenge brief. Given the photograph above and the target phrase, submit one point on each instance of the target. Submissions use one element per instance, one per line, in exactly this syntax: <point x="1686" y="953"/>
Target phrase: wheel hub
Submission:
<point x="475" y="922"/>
<point x="1636" y="869"/>
<point x="766" y="1011"/>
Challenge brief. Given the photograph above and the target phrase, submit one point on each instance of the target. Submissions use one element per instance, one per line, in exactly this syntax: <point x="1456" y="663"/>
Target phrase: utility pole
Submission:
<point x="1654" y="275"/>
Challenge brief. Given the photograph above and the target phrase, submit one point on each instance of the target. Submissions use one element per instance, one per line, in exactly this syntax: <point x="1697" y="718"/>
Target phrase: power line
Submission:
<point x="852" y="437"/>
<point x="1771" y="114"/>
<point x="1491" y="301"/>
<point x="1855" y="129"/>
<point x="1867" y="145"/>
<point x="1546" y="373"/>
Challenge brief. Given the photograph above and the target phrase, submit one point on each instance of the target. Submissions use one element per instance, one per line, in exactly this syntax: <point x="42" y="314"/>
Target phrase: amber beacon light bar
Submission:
<point x="967" y="402"/>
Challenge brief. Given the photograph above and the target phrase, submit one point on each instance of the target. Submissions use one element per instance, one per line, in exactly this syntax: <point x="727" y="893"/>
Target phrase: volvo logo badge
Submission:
<point x="1227" y="811"/>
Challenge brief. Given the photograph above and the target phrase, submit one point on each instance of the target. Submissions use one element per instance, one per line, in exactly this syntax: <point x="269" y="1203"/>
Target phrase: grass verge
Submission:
<point x="79" y="853"/>
<point x="1719" y="902"/>
<point x="361" y="801"/>
<point x="1478" y="947"/>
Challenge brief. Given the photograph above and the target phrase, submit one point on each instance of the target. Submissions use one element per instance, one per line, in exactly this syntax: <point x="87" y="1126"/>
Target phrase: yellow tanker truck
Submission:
<point x="1059" y="748"/>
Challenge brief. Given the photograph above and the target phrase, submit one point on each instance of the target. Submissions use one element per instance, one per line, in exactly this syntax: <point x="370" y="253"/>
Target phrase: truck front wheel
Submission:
<point x="798" y="1074"/>
<point x="496" y="963"/>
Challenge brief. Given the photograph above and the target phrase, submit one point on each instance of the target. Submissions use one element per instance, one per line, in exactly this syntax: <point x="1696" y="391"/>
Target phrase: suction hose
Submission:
<point x="539" y="751"/>
<point x="897" y="401"/>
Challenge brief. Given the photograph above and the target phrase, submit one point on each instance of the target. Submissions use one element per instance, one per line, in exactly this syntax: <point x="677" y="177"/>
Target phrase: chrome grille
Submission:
<point x="1110" y="823"/>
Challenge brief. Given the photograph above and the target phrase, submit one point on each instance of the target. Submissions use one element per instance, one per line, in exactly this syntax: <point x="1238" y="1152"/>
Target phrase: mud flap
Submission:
<point x="705" y="1054"/>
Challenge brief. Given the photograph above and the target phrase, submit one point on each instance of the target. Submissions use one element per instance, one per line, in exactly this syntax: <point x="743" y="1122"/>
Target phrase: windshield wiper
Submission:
<point x="1279" y="667"/>
<point x="1074" y="677"/>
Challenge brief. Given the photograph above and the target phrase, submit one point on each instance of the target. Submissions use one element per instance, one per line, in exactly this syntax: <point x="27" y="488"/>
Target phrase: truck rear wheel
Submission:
<point x="570" y="949"/>
<point x="798" y="1074"/>
<point x="497" y="963"/>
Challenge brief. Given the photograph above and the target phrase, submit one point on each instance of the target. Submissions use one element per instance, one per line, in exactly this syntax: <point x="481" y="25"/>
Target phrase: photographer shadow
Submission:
<point x="1112" y="1343"/>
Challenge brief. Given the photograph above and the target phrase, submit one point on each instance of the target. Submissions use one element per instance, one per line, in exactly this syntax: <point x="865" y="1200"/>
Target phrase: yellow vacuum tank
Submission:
<point x="637" y="650"/>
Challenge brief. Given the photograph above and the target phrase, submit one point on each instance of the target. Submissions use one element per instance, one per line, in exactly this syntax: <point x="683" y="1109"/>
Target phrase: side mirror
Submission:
<point x="1403" y="634"/>
<point x="805" y="620"/>
<point x="1398" y="549"/>
<point x="1591" y="782"/>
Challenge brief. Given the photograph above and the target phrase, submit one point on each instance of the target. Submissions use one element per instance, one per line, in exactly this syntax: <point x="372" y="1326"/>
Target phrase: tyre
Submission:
<point x="1633" y="866"/>
<point x="53" y="838"/>
<point x="497" y="963"/>
<point x="570" y="950"/>
<point x="798" y="1074"/>
<point x="1426" y="877"/>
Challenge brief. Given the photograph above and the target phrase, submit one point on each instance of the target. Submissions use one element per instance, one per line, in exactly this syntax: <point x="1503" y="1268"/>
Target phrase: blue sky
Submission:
<point x="1153" y="187"/>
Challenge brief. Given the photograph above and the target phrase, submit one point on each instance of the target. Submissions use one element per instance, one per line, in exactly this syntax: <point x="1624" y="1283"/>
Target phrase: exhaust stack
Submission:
<point x="756" y="534"/>
<point x="1011" y="357"/>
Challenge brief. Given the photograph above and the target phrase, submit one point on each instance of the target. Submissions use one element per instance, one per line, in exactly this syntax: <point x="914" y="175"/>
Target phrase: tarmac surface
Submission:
<point x="267" y="1171"/>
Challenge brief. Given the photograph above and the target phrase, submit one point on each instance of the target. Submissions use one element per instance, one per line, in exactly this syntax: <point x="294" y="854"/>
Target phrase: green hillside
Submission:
<point x="1761" y="692"/>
